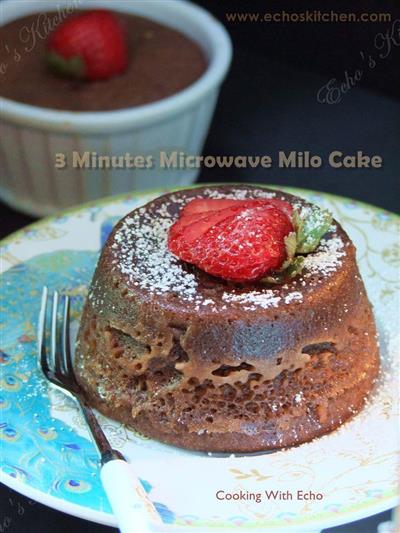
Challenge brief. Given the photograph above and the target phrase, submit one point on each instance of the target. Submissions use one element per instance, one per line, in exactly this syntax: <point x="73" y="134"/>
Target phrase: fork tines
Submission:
<point x="58" y="367"/>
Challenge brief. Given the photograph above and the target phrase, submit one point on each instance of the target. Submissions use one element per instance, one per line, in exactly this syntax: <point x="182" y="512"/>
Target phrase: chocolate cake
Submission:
<point x="207" y="364"/>
<point x="162" y="62"/>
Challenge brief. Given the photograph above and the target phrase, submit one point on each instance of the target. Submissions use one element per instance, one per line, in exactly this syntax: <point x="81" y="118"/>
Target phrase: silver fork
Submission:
<point x="132" y="508"/>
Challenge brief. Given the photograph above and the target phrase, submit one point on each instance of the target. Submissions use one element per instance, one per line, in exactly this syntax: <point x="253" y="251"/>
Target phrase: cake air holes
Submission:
<point x="227" y="370"/>
<point x="319" y="348"/>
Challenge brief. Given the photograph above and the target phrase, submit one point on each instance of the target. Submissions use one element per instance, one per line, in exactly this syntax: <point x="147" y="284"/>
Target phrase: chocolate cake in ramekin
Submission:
<point x="207" y="364"/>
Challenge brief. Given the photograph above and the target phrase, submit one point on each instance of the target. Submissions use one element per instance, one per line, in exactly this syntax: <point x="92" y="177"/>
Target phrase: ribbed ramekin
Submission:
<point x="30" y="136"/>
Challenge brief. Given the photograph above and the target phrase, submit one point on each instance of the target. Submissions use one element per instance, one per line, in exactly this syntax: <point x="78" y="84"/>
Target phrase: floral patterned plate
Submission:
<point x="46" y="452"/>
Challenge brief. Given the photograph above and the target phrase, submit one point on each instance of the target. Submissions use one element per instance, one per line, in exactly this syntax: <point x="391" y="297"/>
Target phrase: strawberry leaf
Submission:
<point x="310" y="224"/>
<point x="73" y="67"/>
<point x="291" y="246"/>
<point x="291" y="271"/>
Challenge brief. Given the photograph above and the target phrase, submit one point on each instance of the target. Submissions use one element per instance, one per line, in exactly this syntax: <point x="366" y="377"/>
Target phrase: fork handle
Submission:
<point x="131" y="506"/>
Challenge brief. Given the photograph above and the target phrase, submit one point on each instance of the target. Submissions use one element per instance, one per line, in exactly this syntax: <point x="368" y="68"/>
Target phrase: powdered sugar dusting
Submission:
<point x="293" y="297"/>
<point x="262" y="298"/>
<point x="141" y="254"/>
<point x="326" y="258"/>
<point x="238" y="194"/>
<point x="265" y="299"/>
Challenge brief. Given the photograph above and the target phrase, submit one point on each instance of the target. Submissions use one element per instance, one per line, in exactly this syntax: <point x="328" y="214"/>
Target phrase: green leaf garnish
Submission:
<point x="291" y="271"/>
<point x="310" y="224"/>
<point x="290" y="245"/>
<point x="73" y="67"/>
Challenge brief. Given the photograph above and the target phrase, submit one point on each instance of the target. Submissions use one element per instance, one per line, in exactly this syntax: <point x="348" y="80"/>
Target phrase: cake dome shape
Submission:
<point x="207" y="364"/>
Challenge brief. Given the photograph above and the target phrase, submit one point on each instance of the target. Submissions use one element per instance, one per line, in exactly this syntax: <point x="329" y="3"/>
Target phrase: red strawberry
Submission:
<point x="184" y="221"/>
<point x="200" y="205"/>
<point x="210" y="218"/>
<point x="189" y="228"/>
<point x="238" y="244"/>
<point x="90" y="45"/>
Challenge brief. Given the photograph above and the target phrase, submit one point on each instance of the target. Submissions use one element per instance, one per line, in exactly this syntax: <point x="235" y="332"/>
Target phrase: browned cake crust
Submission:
<point x="209" y="365"/>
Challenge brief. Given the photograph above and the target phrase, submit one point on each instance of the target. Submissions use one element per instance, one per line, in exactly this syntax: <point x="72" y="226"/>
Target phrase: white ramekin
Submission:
<point x="30" y="136"/>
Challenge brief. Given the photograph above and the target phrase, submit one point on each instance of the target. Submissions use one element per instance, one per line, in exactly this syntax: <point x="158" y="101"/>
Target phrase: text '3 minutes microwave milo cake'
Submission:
<point x="228" y="318"/>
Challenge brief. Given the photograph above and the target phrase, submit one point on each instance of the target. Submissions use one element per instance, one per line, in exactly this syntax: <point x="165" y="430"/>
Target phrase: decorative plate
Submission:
<point x="46" y="452"/>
